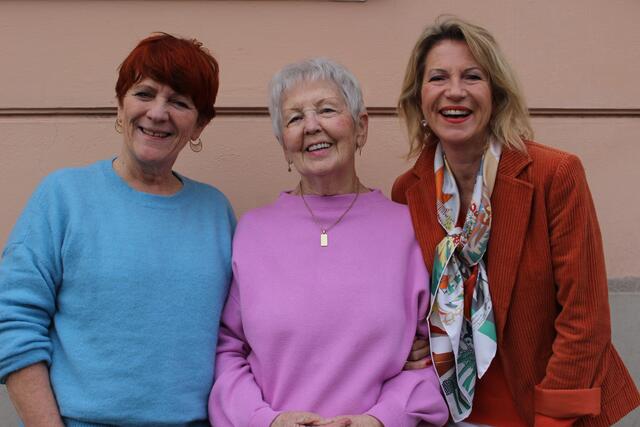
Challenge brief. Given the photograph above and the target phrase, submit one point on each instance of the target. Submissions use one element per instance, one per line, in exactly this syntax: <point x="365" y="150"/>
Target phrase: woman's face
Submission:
<point x="456" y="94"/>
<point x="157" y="123"/>
<point x="319" y="135"/>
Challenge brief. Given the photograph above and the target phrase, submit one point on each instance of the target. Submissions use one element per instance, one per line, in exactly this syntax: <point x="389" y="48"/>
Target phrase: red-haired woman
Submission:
<point x="113" y="279"/>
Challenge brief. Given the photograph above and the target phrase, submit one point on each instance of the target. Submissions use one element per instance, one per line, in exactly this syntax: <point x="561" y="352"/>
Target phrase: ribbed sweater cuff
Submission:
<point x="389" y="413"/>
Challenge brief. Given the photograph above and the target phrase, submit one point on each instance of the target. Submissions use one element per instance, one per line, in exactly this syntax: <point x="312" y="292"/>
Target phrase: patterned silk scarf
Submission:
<point x="463" y="339"/>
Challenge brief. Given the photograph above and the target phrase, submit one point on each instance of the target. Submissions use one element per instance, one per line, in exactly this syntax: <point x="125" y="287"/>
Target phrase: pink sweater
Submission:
<point x="324" y="329"/>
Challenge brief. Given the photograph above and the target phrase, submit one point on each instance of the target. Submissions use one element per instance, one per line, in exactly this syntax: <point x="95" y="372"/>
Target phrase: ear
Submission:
<point x="197" y="131"/>
<point x="362" y="129"/>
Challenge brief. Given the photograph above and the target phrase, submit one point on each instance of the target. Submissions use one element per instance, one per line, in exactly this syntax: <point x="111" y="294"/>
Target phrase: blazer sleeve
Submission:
<point x="571" y="385"/>
<point x="236" y="399"/>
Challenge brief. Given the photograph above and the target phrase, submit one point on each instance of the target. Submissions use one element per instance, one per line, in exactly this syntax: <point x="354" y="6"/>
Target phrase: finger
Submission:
<point x="418" y="364"/>
<point x="419" y="343"/>
<point x="419" y="354"/>
<point x="309" y="420"/>
<point x="335" y="422"/>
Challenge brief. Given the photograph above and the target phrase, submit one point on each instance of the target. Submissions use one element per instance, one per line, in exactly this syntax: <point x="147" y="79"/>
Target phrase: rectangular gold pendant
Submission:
<point x="324" y="239"/>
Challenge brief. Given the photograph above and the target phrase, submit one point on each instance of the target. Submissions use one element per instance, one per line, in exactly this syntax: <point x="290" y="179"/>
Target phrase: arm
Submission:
<point x="30" y="270"/>
<point x="409" y="398"/>
<point x="236" y="399"/>
<point x="420" y="356"/>
<point x="413" y="396"/>
<point x="31" y="394"/>
<point x="571" y="386"/>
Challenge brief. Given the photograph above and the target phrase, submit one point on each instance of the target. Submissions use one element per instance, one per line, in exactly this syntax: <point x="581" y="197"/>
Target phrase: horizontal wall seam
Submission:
<point x="263" y="111"/>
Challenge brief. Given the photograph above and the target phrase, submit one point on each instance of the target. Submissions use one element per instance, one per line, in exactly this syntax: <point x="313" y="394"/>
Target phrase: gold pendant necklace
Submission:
<point x="324" y="236"/>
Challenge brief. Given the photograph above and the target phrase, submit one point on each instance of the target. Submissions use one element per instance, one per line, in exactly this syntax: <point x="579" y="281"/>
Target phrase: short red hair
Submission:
<point x="185" y="65"/>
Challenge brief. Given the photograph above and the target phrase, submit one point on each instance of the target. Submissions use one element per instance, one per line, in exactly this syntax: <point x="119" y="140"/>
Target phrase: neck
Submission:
<point x="464" y="161"/>
<point x="321" y="186"/>
<point x="145" y="178"/>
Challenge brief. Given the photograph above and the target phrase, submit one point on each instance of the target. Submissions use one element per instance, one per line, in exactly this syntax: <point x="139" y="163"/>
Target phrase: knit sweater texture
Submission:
<point x="120" y="293"/>
<point x="324" y="329"/>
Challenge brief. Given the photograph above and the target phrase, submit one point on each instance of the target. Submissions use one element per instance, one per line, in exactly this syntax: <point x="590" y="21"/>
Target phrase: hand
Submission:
<point x="356" y="421"/>
<point x="300" y="418"/>
<point x="420" y="355"/>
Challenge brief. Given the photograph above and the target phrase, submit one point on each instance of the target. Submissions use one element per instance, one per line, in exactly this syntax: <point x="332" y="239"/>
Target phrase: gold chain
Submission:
<point x="322" y="227"/>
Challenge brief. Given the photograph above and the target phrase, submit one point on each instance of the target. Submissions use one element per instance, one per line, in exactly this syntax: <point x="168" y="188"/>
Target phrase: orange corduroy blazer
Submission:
<point x="547" y="281"/>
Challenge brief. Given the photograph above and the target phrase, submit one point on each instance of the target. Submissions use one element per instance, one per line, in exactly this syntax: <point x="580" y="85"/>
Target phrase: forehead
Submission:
<point x="154" y="84"/>
<point x="450" y="53"/>
<point x="310" y="93"/>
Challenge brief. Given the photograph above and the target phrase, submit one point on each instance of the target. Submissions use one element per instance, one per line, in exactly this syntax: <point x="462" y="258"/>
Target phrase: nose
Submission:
<point x="311" y="123"/>
<point x="455" y="89"/>
<point x="158" y="110"/>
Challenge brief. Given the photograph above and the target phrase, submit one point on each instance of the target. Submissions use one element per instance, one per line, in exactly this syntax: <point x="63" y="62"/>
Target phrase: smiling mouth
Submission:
<point x="318" y="146"/>
<point x="455" y="113"/>
<point x="154" y="133"/>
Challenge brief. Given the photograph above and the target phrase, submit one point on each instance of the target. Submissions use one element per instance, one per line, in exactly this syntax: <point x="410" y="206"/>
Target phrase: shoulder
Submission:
<point x="401" y="184"/>
<point x="549" y="159"/>
<point x="555" y="173"/>
<point x="201" y="189"/>
<point x="206" y="192"/>
<point x="260" y="216"/>
<point x="70" y="175"/>
<point x="68" y="182"/>
<point x="388" y="214"/>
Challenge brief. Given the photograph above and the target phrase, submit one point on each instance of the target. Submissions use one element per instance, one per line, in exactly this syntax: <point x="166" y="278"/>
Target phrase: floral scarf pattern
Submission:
<point x="463" y="338"/>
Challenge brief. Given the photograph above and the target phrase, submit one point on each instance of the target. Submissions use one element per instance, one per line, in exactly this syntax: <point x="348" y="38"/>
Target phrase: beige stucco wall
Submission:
<point x="578" y="61"/>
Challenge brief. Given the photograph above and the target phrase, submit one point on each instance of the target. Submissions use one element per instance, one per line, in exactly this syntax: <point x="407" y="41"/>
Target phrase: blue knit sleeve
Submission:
<point x="30" y="273"/>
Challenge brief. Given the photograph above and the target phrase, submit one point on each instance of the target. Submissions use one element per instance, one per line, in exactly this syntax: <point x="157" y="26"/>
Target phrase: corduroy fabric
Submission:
<point x="548" y="281"/>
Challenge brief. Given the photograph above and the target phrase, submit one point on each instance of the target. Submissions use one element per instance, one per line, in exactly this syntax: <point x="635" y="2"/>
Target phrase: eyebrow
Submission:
<point x="442" y="70"/>
<point x="319" y="102"/>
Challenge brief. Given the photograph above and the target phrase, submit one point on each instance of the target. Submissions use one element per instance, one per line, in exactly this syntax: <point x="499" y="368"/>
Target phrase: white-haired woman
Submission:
<point x="329" y="282"/>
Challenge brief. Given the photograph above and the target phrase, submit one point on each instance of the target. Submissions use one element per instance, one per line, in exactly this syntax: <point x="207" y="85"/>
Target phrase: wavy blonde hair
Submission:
<point x="509" y="122"/>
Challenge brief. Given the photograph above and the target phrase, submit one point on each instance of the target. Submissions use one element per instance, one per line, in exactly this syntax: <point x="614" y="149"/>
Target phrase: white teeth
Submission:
<point x="456" y="113"/>
<point x="156" y="134"/>
<point x="319" y="146"/>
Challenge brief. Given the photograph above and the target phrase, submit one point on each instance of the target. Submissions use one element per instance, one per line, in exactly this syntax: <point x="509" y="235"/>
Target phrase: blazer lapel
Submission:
<point x="511" y="205"/>
<point x="421" y="198"/>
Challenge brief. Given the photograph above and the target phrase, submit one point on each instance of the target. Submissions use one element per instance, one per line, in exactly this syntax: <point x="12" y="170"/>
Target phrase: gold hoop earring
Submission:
<point x="118" y="125"/>
<point x="196" y="146"/>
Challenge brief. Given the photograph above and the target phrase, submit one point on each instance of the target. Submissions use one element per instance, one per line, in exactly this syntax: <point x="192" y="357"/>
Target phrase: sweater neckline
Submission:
<point x="329" y="202"/>
<point x="160" y="200"/>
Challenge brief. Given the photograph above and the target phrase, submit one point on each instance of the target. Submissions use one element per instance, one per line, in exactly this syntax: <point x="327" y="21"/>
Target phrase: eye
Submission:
<point x="181" y="103"/>
<point x="143" y="94"/>
<point x="436" y="78"/>
<point x="293" y="119"/>
<point x="327" y="111"/>
<point x="474" y="77"/>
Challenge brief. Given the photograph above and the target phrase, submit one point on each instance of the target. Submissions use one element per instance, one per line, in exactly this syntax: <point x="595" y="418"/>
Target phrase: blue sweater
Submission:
<point x="120" y="293"/>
